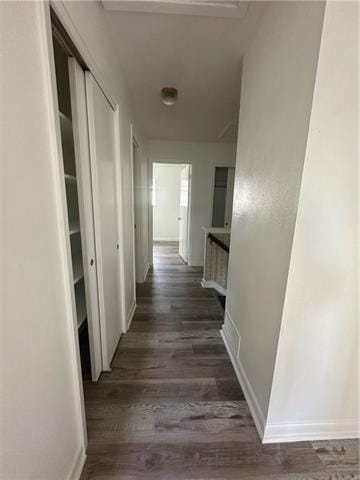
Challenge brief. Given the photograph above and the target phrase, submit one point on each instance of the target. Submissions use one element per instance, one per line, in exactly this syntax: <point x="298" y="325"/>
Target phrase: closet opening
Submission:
<point x="62" y="53"/>
<point x="88" y="159"/>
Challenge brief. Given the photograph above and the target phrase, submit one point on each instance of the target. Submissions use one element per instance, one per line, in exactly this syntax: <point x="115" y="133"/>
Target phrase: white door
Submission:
<point x="137" y="211"/>
<point x="229" y="197"/>
<point x="184" y="212"/>
<point x="82" y="158"/>
<point x="101" y="119"/>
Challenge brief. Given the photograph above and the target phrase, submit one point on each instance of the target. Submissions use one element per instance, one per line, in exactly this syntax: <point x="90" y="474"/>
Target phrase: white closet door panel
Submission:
<point x="101" y="121"/>
<point x="82" y="158"/>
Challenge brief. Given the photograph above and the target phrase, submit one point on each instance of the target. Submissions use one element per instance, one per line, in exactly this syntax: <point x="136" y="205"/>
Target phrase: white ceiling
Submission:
<point x="199" y="55"/>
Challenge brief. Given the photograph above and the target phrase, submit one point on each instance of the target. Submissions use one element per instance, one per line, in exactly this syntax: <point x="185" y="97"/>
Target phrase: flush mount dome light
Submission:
<point x="169" y="95"/>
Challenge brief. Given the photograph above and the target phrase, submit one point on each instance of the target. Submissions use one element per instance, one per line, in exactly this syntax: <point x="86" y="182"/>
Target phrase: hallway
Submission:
<point x="172" y="407"/>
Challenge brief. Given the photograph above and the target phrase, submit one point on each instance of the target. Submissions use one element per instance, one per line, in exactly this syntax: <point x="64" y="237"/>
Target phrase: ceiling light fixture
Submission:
<point x="169" y="95"/>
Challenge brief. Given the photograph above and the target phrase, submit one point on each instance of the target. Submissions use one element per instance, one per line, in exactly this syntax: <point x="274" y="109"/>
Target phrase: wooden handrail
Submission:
<point x="218" y="242"/>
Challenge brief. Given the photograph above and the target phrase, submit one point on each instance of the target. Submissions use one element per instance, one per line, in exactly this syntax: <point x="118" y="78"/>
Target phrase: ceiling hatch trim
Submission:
<point x="208" y="8"/>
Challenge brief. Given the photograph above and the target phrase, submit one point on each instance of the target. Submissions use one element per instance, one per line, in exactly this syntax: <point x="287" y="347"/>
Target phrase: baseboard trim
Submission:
<point x="307" y="431"/>
<point x="78" y="465"/>
<point x="130" y="315"/>
<point x="281" y="432"/>
<point x="195" y="262"/>
<point x="214" y="285"/>
<point x="166" y="239"/>
<point x="146" y="271"/>
<point x="142" y="278"/>
<point x="250" y="397"/>
<point x="232" y="334"/>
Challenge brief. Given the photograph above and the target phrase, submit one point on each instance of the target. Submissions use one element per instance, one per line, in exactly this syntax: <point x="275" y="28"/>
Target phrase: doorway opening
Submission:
<point x="171" y="203"/>
<point x="217" y="236"/>
<point x="223" y="197"/>
<point x="75" y="207"/>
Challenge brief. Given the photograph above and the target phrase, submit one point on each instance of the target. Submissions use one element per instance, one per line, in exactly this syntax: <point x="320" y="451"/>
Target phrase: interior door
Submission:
<point x="229" y="197"/>
<point x="137" y="211"/>
<point x="101" y="120"/>
<point x="82" y="158"/>
<point x="184" y="212"/>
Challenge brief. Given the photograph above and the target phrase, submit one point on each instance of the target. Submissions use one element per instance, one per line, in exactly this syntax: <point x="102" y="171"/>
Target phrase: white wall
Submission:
<point x="41" y="427"/>
<point x="40" y="433"/>
<point x="277" y="87"/>
<point x="315" y="391"/>
<point x="166" y="210"/>
<point x="203" y="157"/>
<point x="87" y="25"/>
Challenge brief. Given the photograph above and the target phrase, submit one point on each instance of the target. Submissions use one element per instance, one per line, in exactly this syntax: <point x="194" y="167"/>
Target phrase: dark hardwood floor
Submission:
<point x="172" y="408"/>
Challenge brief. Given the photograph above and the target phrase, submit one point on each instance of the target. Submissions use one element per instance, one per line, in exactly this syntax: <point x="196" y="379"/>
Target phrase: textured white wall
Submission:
<point x="317" y="369"/>
<point x="203" y="157"/>
<point x="277" y="87"/>
<point x="166" y="211"/>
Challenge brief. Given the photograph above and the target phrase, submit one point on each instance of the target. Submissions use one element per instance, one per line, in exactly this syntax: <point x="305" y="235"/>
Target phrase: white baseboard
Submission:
<point x="130" y="315"/>
<point x="78" y="465"/>
<point x="166" y="239"/>
<point x="146" y="271"/>
<point x="233" y="348"/>
<point x="214" y="285"/>
<point x="307" y="431"/>
<point x="281" y="432"/>
<point x="232" y="334"/>
<point x="142" y="278"/>
<point x="195" y="262"/>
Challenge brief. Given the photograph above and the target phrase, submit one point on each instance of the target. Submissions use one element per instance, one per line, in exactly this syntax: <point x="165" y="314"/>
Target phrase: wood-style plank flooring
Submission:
<point x="172" y="408"/>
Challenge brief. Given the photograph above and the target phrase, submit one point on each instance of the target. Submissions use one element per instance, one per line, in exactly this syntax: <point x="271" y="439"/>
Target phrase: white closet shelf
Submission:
<point x="70" y="178"/>
<point x="74" y="227"/>
<point x="64" y="118"/>
<point x="67" y="142"/>
<point x="81" y="308"/>
<point x="78" y="269"/>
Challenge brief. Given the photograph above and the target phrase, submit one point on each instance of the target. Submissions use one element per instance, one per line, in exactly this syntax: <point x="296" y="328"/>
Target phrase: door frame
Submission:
<point x="132" y="140"/>
<point x="151" y="208"/>
<point x="120" y="204"/>
<point x="212" y="185"/>
<point x="187" y="213"/>
<point x="150" y="183"/>
<point x="189" y="216"/>
<point x="211" y="199"/>
<point x="232" y="169"/>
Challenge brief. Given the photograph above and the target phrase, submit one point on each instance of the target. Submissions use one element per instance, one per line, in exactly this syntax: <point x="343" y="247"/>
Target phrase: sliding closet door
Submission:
<point x="82" y="158"/>
<point x="101" y="120"/>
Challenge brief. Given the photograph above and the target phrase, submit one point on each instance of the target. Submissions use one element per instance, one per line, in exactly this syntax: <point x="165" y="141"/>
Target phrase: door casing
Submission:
<point x="184" y="211"/>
